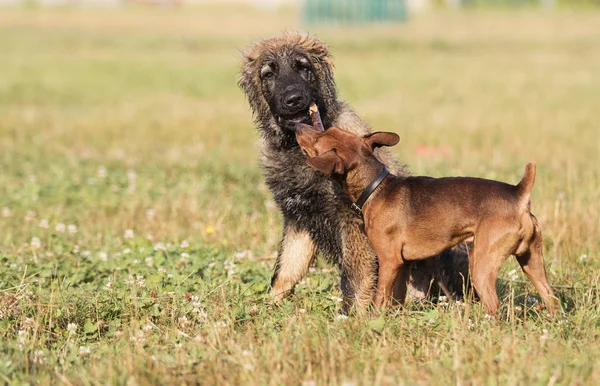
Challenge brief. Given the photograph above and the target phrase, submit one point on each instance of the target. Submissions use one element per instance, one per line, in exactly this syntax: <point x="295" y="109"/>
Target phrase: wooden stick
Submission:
<point x="315" y="117"/>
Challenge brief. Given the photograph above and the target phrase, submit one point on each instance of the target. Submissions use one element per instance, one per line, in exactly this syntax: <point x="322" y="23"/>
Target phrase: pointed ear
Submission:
<point x="381" y="138"/>
<point x="327" y="163"/>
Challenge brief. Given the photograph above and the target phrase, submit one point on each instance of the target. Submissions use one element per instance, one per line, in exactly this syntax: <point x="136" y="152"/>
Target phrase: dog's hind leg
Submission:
<point x="296" y="253"/>
<point x="488" y="254"/>
<point x="532" y="263"/>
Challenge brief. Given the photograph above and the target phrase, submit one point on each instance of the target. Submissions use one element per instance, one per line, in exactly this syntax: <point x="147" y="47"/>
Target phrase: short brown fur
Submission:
<point x="412" y="218"/>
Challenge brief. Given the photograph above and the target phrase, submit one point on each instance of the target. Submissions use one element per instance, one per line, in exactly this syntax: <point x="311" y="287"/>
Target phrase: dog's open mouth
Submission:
<point x="291" y="121"/>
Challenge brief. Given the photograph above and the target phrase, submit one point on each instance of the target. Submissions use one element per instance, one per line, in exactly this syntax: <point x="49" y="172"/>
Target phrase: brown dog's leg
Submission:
<point x="296" y="253"/>
<point x="385" y="281"/>
<point x="532" y="263"/>
<point x="486" y="261"/>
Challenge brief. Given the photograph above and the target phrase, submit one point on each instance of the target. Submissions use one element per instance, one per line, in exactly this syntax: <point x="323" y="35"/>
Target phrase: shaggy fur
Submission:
<point x="316" y="212"/>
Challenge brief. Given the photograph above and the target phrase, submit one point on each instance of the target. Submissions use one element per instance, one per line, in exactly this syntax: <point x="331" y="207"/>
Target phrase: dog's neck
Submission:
<point x="360" y="177"/>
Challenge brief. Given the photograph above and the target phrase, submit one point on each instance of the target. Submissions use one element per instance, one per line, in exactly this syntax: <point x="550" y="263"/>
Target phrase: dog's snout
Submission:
<point x="295" y="100"/>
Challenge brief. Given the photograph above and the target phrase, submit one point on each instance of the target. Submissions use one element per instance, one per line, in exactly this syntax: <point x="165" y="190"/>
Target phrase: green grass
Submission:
<point x="118" y="120"/>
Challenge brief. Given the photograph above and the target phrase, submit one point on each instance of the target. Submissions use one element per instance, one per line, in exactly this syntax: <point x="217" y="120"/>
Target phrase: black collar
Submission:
<point x="357" y="206"/>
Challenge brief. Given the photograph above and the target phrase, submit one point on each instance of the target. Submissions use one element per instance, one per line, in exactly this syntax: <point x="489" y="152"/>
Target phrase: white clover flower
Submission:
<point x="84" y="351"/>
<point x="39" y="357"/>
<point x="130" y="281"/>
<point x="35" y="242"/>
<point x="150" y="213"/>
<point x="148" y="327"/>
<point x="148" y="261"/>
<point x="131" y="175"/>
<point x="583" y="258"/>
<point x="72" y="228"/>
<point x="30" y="215"/>
<point x="185" y="255"/>
<point x="162" y="270"/>
<point x="488" y="317"/>
<point x="196" y="302"/>
<point x="229" y="265"/>
<point x="545" y="336"/>
<point x="102" y="256"/>
<point x="341" y="317"/>
<point x="135" y="261"/>
<point x="101" y="172"/>
<point x="247" y="254"/>
<point x="109" y="285"/>
<point x="60" y="227"/>
<point x="138" y="338"/>
<point x="140" y="281"/>
<point x="184" y="244"/>
<point x="221" y="324"/>
<point x="184" y="321"/>
<point x="72" y="328"/>
<point x="86" y="253"/>
<point x="5" y="212"/>
<point x="149" y="237"/>
<point x="201" y="313"/>
<point x="126" y="250"/>
<point x="44" y="223"/>
<point x="302" y="311"/>
<point x="160" y="247"/>
<point x="129" y="234"/>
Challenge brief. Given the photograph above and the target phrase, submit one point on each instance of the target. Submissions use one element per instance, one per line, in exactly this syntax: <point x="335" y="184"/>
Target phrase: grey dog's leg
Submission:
<point x="296" y="253"/>
<point x="359" y="264"/>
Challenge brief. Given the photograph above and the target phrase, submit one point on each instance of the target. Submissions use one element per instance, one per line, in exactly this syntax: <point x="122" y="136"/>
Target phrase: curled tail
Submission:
<point x="526" y="185"/>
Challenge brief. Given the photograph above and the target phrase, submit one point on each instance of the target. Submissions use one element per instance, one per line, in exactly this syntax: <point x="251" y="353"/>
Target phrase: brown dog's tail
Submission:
<point x="526" y="185"/>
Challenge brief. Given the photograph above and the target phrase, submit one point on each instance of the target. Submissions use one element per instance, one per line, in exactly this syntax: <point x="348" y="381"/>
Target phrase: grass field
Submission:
<point x="137" y="236"/>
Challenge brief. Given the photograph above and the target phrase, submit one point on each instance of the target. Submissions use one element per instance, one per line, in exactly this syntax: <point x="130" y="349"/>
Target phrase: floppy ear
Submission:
<point x="327" y="163"/>
<point x="381" y="138"/>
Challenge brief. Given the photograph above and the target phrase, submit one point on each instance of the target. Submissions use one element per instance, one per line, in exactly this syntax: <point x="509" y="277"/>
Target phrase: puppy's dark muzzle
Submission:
<point x="294" y="100"/>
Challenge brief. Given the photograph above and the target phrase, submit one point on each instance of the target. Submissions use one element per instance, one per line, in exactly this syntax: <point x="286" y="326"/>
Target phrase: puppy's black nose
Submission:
<point x="294" y="100"/>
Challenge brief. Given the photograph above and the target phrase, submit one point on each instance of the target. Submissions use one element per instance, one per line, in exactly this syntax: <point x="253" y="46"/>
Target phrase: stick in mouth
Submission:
<point x="315" y="117"/>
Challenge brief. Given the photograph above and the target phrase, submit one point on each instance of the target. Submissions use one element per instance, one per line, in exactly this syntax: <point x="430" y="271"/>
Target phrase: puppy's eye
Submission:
<point x="302" y="62"/>
<point x="267" y="71"/>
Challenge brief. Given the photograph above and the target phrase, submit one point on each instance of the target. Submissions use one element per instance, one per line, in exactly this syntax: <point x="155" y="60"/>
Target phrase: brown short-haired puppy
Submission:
<point x="413" y="218"/>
